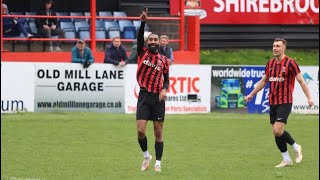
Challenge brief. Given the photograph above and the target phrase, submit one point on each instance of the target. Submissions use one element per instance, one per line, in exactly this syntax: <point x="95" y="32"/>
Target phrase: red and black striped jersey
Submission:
<point x="151" y="68"/>
<point x="281" y="76"/>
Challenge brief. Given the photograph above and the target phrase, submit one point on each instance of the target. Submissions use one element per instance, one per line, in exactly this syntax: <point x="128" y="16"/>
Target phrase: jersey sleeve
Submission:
<point x="166" y="66"/>
<point x="266" y="72"/>
<point x="165" y="72"/>
<point x="294" y="67"/>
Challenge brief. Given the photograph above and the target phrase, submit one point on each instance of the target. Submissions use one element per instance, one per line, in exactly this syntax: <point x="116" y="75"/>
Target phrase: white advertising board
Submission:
<point x="70" y="87"/>
<point x="300" y="101"/>
<point x="17" y="87"/>
<point x="189" y="90"/>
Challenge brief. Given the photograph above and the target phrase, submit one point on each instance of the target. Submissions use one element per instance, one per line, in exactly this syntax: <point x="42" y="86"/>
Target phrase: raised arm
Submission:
<point x="140" y="41"/>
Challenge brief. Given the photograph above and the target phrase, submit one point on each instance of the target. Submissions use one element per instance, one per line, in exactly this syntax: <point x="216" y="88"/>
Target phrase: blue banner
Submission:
<point x="260" y="102"/>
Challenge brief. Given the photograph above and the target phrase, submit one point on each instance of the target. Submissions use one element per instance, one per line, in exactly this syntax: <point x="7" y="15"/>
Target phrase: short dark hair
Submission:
<point x="153" y="34"/>
<point x="47" y="2"/>
<point x="282" y="40"/>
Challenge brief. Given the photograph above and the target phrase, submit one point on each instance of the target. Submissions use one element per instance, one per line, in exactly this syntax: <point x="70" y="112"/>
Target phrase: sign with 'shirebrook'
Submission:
<point x="69" y="87"/>
<point x="251" y="11"/>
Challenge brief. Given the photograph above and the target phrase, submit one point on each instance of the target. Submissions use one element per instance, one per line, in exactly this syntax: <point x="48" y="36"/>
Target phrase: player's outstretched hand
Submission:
<point x="310" y="102"/>
<point x="144" y="15"/>
<point x="248" y="98"/>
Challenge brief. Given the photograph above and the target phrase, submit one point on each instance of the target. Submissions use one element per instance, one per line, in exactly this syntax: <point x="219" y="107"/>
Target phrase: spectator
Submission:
<point x="49" y="27"/>
<point x="115" y="53"/>
<point x="82" y="54"/>
<point x="13" y="26"/>
<point x="165" y="49"/>
<point x="133" y="53"/>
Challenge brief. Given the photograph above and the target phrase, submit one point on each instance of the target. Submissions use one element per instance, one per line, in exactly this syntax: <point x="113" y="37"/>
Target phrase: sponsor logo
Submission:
<point x="307" y="77"/>
<point x="283" y="69"/>
<point x="184" y="85"/>
<point x="156" y="67"/>
<point x="263" y="6"/>
<point x="279" y="79"/>
<point x="237" y="72"/>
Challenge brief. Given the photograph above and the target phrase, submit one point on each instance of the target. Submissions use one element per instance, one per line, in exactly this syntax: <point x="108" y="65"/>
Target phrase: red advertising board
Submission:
<point x="251" y="11"/>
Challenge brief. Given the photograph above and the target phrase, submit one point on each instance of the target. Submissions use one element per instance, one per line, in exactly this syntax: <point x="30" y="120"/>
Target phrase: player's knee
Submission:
<point x="158" y="133"/>
<point x="277" y="132"/>
<point x="141" y="133"/>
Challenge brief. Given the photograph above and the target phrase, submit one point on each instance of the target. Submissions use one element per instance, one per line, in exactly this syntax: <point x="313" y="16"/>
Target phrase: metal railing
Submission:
<point x="93" y="17"/>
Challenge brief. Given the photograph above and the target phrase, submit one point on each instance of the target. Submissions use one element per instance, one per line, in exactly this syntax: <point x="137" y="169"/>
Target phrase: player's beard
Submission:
<point x="154" y="49"/>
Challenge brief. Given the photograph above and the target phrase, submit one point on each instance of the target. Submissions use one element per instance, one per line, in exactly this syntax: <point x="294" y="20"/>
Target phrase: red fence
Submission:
<point x="183" y="56"/>
<point x="93" y="18"/>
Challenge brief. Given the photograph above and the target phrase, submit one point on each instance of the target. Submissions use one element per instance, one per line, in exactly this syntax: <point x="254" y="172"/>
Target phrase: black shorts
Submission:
<point x="149" y="107"/>
<point x="280" y="113"/>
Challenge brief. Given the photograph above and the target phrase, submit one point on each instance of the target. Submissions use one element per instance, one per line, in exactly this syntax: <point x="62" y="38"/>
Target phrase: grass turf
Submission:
<point x="304" y="57"/>
<point x="104" y="146"/>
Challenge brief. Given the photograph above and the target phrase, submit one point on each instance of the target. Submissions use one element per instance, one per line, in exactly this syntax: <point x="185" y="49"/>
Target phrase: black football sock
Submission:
<point x="143" y="143"/>
<point x="281" y="143"/>
<point x="159" y="149"/>
<point x="287" y="137"/>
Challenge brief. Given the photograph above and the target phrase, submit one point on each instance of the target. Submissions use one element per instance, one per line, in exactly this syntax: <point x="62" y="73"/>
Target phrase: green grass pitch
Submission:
<point x="67" y="146"/>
